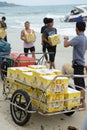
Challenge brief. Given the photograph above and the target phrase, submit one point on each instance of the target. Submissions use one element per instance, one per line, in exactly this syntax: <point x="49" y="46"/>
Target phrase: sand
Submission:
<point x="55" y="122"/>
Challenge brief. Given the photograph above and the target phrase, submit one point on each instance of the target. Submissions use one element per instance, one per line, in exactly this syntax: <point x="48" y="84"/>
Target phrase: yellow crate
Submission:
<point x="11" y="72"/>
<point x="37" y="66"/>
<point x="30" y="37"/>
<point x="42" y="72"/>
<point x="54" y="40"/>
<point x="20" y="70"/>
<point x="60" y="84"/>
<point x="51" y="107"/>
<point x="73" y="97"/>
<point x="26" y="78"/>
<point x="2" y="33"/>
<point x="57" y="72"/>
<point x="38" y="73"/>
<point x="45" y="97"/>
<point x="16" y="85"/>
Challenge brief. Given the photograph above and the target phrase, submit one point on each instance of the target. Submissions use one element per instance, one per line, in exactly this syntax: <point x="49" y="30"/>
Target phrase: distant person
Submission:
<point x="49" y="31"/>
<point x="79" y="44"/>
<point x="44" y="45"/>
<point x="2" y="32"/>
<point x="4" y="26"/>
<point x="29" y="38"/>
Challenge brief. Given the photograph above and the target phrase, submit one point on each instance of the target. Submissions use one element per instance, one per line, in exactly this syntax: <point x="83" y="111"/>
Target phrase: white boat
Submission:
<point x="78" y="13"/>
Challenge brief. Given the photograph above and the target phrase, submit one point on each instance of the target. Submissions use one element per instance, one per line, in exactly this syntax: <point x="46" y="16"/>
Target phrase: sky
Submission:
<point x="46" y="2"/>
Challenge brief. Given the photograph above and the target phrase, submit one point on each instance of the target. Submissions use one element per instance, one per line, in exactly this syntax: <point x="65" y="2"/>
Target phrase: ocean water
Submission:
<point x="16" y="16"/>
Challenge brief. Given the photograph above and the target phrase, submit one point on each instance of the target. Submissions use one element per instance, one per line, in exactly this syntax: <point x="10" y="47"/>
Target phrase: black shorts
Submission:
<point x="32" y="49"/>
<point x="79" y="70"/>
<point x="52" y="52"/>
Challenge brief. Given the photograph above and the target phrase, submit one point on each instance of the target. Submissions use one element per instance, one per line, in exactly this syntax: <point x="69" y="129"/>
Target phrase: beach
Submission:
<point x="55" y="122"/>
<point x="15" y="22"/>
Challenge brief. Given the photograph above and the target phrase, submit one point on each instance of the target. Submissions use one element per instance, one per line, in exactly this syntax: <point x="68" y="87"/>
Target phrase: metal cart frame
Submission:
<point x="16" y="104"/>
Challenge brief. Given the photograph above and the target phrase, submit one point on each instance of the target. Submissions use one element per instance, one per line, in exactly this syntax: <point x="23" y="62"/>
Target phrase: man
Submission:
<point x="26" y="36"/>
<point x="43" y="43"/>
<point x="79" y="44"/>
<point x="49" y="31"/>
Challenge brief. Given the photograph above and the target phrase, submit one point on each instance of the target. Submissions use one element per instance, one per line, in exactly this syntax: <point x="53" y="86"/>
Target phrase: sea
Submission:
<point x="17" y="15"/>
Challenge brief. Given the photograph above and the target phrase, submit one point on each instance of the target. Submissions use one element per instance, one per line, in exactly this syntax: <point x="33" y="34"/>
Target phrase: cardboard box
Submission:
<point x="30" y="37"/>
<point x="50" y="107"/>
<point x="73" y="97"/>
<point x="20" y="70"/>
<point x="37" y="66"/>
<point x="26" y="78"/>
<point x="11" y="72"/>
<point x="50" y="84"/>
<point x="46" y="98"/>
<point x="43" y="72"/>
<point x="54" y="39"/>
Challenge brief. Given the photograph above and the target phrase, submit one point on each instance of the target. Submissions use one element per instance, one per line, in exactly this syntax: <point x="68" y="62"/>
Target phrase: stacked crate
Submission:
<point x="48" y="89"/>
<point x="72" y="98"/>
<point x="50" y="94"/>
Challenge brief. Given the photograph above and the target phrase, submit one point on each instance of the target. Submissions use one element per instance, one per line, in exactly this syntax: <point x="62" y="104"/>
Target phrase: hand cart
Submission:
<point x="23" y="102"/>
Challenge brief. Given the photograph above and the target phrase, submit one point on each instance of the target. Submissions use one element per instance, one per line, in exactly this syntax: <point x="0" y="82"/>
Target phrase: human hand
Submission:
<point x="66" y="38"/>
<point x="86" y="68"/>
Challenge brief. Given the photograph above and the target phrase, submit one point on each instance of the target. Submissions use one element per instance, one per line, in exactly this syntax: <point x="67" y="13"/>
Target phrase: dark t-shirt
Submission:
<point x="43" y="28"/>
<point x="49" y="32"/>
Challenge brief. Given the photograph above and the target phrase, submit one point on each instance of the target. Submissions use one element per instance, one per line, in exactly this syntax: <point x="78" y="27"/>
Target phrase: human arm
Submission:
<point x="34" y="34"/>
<point x="22" y="35"/>
<point x="66" y="42"/>
<point x="45" y="40"/>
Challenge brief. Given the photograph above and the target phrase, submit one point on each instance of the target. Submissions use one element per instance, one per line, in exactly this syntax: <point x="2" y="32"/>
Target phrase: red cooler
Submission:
<point x="22" y="60"/>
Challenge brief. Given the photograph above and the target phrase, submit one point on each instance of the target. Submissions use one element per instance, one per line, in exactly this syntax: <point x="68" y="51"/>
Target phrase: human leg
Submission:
<point x="44" y="51"/>
<point x="32" y="50"/>
<point x="26" y="51"/>
<point x="52" y="53"/>
<point x="79" y="70"/>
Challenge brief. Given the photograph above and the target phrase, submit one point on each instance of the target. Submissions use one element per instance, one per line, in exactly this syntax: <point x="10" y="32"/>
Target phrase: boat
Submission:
<point x="78" y="13"/>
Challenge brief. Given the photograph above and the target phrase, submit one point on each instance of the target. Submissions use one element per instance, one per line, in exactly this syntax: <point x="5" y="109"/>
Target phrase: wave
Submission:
<point x="55" y="15"/>
<point x="2" y="13"/>
<point x="15" y="27"/>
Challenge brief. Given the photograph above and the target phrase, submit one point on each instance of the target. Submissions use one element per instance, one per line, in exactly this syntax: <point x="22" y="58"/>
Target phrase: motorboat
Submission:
<point x="78" y="13"/>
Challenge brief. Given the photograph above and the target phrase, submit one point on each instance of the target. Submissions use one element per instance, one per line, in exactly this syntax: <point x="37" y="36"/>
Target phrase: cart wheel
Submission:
<point x="22" y="99"/>
<point x="4" y="66"/>
<point x="70" y="113"/>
